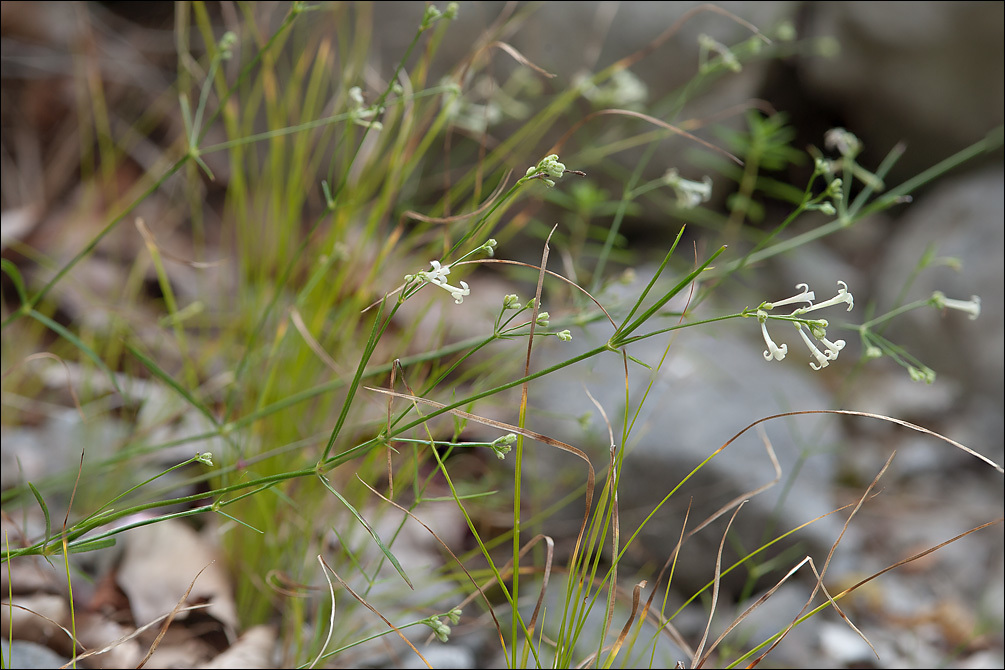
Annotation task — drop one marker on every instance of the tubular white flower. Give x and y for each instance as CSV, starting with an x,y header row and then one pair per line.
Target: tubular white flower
x,y
833,348
773,351
806,295
437,277
971,307
822,359
843,296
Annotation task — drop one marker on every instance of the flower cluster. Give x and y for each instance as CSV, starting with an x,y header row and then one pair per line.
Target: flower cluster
x,y
358,113
822,350
547,170
501,445
440,629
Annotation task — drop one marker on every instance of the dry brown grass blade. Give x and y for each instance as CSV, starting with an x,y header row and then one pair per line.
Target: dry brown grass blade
x,y
636,595
715,588
169,620
915,557
910,559
870,415
749,494
282,584
507,570
670,564
69,377
612,478
460,217
125,638
312,343
151,241
374,610
557,147
826,565
488,603
520,58
760,601
819,584
551,274
545,579
753,103
645,51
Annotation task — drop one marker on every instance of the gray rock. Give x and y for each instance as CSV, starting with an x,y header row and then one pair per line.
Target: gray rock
x,y
930,74
30,655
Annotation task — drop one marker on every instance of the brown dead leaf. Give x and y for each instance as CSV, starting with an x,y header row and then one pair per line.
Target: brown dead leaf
x,y
160,563
96,632
254,649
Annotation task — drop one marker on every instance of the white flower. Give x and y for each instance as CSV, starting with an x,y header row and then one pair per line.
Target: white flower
x,y
822,359
773,351
833,348
511,301
689,193
437,276
805,295
564,335
842,140
971,307
843,296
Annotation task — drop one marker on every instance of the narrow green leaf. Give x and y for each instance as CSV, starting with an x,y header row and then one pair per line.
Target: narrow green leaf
x,y
45,512
158,372
77,342
373,534
92,545
15,276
